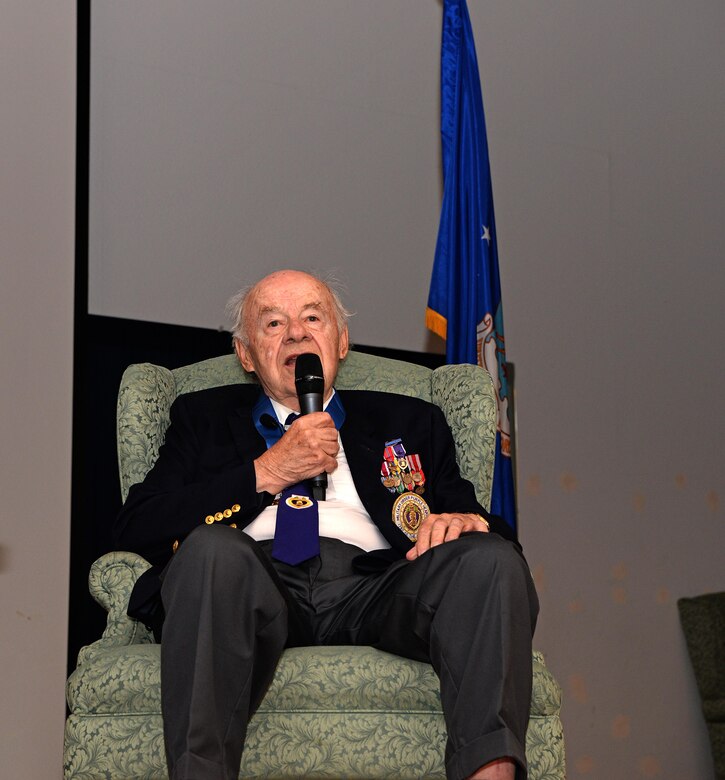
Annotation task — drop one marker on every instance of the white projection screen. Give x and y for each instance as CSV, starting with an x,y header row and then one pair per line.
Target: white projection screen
x,y
228,139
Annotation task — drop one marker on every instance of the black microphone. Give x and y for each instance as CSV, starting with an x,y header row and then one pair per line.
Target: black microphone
x,y
310,384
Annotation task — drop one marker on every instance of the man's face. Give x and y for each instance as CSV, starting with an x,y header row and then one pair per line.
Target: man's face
x,y
290,313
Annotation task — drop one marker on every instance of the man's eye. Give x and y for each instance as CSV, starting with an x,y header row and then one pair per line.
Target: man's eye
x,y
313,318
273,323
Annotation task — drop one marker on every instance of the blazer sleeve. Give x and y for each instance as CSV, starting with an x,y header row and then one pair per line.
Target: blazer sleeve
x,y
194,477
451,492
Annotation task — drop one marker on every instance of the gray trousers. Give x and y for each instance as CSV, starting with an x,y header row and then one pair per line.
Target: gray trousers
x,y
468,607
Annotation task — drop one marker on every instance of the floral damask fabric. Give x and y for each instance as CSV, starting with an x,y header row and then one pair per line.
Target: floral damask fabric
x,y
331,712
465,394
294,745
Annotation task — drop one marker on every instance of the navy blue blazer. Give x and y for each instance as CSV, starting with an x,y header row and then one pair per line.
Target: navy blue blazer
x,y
206,466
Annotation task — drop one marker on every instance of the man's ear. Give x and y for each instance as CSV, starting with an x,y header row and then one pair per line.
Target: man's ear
x,y
245,357
344,342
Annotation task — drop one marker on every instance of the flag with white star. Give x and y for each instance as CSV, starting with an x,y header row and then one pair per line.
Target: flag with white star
x,y
464,303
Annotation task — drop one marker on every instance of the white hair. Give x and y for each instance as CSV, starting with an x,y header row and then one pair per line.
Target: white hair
x,y
238,305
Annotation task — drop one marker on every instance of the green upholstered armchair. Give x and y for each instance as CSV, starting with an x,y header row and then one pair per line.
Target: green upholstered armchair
x,y
336,712
703,623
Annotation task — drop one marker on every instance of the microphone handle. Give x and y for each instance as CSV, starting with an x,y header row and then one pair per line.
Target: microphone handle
x,y
319,486
312,402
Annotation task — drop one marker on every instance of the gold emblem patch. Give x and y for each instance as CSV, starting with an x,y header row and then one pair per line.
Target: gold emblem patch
x,y
409,511
298,502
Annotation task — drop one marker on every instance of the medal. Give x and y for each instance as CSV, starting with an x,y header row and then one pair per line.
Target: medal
x,y
401,472
298,502
416,471
409,511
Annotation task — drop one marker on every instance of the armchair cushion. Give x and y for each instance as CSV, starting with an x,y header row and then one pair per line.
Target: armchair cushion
x,y
330,712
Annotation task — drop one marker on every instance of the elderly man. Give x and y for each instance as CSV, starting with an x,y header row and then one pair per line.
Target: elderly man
x,y
434,578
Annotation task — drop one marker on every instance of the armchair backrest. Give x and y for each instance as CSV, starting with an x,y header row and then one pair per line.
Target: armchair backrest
x,y
464,392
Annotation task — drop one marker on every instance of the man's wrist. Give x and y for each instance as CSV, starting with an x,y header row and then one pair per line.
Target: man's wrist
x,y
265,482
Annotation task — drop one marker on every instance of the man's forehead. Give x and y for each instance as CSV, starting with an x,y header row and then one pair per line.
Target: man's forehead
x,y
290,291
273,308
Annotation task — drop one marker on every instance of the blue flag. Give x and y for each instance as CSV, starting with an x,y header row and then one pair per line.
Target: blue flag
x,y
464,303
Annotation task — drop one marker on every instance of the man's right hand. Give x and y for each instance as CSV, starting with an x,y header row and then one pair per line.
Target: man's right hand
x,y
308,448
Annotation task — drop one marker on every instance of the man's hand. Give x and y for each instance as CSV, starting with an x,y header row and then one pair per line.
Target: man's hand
x,y
437,529
307,449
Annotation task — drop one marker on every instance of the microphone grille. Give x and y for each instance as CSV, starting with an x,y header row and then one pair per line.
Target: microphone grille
x,y
308,374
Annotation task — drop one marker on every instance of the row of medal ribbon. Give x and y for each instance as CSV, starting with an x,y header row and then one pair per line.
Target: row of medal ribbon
x,y
401,471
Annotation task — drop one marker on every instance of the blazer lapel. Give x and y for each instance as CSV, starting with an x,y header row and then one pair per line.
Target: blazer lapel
x,y
244,434
364,462
364,453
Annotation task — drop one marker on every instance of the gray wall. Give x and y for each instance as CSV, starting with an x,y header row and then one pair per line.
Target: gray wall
x,y
37,201
231,138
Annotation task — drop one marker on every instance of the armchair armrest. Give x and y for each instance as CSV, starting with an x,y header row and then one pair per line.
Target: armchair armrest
x,y
110,582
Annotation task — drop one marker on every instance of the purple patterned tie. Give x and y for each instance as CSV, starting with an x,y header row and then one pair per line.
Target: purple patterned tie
x,y
297,532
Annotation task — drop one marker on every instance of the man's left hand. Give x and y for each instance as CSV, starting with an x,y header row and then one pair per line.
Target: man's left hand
x,y
437,529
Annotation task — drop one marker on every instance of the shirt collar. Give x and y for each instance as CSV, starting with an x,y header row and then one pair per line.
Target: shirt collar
x,y
283,412
266,408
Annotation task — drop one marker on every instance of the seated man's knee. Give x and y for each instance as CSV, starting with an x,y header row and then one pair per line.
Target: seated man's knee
x,y
485,545
484,554
492,559
218,543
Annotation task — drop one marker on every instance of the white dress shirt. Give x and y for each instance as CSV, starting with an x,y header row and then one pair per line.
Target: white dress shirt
x,y
342,514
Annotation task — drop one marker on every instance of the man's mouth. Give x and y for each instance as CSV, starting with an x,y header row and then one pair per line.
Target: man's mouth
x,y
290,360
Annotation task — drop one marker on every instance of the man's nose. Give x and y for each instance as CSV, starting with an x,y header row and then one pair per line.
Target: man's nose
x,y
296,331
